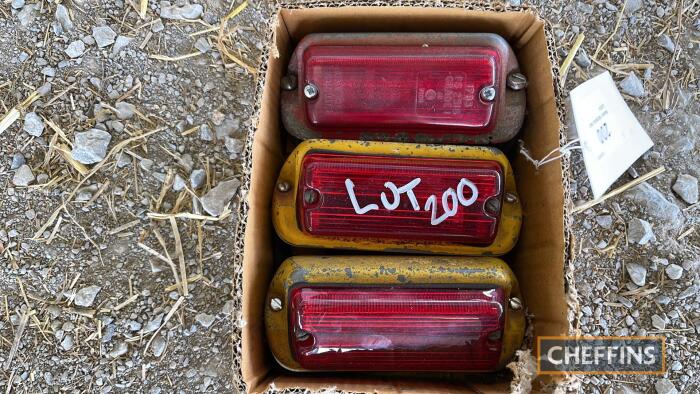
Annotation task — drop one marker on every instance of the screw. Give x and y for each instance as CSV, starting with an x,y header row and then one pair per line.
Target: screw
x,y
493,205
310,196
511,198
494,336
515,303
516,81
302,335
310,91
288,82
276,304
283,186
488,93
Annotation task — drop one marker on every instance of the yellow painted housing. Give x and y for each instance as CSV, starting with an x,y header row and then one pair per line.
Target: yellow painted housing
x,y
394,271
284,201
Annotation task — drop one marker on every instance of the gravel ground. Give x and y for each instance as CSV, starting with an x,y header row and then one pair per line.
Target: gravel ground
x,y
87,292
637,256
135,115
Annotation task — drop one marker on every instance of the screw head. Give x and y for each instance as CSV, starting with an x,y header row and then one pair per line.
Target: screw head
x,y
495,336
276,304
493,205
310,91
515,303
516,81
283,186
288,82
488,93
310,196
511,198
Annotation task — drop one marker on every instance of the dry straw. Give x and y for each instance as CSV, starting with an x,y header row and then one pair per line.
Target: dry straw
x,y
15,113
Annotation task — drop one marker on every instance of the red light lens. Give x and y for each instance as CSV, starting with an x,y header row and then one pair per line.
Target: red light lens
x,y
444,200
397,329
432,89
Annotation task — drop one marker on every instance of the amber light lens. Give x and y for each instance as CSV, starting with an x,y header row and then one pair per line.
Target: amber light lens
x,y
396,329
432,89
450,200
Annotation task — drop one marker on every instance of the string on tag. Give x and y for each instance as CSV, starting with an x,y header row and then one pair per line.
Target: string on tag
x,y
548,158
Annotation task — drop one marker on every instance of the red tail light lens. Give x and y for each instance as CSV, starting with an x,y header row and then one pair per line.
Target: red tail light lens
x,y
449,200
398,87
396,329
415,87
394,313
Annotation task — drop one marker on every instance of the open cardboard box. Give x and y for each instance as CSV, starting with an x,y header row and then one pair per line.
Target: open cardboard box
x,y
538,259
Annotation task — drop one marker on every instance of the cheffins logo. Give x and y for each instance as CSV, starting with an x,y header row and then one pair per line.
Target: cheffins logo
x,y
601,355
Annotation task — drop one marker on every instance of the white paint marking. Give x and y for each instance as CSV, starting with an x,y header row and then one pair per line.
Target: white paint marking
x,y
450,208
350,186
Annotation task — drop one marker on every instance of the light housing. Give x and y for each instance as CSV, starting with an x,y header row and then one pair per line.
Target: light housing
x,y
461,88
393,313
397,197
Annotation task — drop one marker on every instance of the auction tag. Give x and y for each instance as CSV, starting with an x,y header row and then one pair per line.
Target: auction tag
x,y
611,137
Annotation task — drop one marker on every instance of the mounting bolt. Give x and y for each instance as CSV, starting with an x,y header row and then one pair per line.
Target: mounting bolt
x,y
288,82
310,196
310,91
515,303
516,81
283,186
493,205
276,304
495,336
488,93
511,198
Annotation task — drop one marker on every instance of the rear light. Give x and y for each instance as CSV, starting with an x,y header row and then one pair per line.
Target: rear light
x,y
417,87
392,313
392,196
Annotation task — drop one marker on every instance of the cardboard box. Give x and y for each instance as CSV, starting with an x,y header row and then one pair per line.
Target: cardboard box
x,y
538,259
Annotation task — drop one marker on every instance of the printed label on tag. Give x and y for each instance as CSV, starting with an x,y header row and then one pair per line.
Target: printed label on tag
x,y
611,137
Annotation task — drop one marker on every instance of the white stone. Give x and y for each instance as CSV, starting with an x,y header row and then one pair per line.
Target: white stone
x,y
637,273
103,35
119,350
75,49
218,197
674,271
658,322
204,319
202,45
179,183
187,11
125,110
666,43
157,26
86,296
33,125
63,17
23,176
640,232
686,186
90,146
158,346
121,43
665,386
67,343
633,86
197,178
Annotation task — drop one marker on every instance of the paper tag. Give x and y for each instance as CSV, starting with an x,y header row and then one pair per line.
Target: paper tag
x,y
611,137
